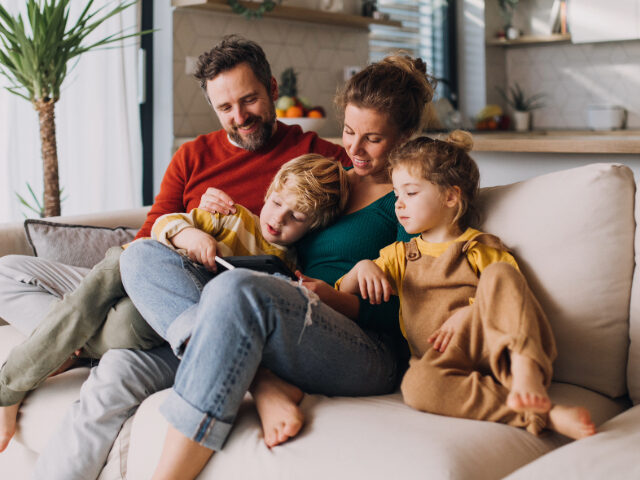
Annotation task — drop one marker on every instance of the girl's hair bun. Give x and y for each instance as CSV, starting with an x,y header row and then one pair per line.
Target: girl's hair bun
x,y
461,139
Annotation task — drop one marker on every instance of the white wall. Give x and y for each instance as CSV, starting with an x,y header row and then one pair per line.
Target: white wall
x,y
162,91
575,76
500,168
317,52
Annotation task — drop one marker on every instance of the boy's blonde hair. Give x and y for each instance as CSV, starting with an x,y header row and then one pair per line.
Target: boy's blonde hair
x,y
319,184
446,164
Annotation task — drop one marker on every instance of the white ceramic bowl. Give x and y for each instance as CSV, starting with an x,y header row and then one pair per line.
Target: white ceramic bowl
x,y
307,124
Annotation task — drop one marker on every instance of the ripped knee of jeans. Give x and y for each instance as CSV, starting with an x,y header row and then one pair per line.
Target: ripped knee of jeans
x,y
312,299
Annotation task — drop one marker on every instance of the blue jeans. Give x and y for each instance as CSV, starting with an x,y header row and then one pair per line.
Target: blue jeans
x,y
243,320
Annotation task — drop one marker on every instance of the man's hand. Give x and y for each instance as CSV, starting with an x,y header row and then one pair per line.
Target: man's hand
x,y
200,246
443,335
216,201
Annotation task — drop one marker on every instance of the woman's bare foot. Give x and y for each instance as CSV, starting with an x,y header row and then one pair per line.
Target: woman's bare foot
x,y
574,422
277,403
528,393
8,416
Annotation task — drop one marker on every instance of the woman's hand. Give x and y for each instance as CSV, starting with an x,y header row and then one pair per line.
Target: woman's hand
x,y
200,246
216,201
342,302
320,288
443,335
373,283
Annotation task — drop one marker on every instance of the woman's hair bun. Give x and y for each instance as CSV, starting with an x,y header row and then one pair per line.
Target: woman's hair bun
x,y
419,65
461,139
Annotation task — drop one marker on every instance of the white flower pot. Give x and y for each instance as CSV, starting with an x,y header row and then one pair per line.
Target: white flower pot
x,y
522,121
512,33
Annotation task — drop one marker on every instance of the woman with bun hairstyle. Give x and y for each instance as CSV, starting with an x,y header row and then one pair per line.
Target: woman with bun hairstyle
x,y
278,338
481,346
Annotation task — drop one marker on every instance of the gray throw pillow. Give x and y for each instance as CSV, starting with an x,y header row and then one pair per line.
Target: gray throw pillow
x,y
79,245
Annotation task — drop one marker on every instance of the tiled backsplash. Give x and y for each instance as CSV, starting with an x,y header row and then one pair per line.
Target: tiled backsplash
x,y
317,52
576,76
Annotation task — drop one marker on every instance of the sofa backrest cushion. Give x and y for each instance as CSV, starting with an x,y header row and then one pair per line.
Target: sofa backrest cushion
x,y
633,367
572,233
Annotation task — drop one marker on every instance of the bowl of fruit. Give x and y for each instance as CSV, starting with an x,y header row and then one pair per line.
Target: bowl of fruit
x,y
294,110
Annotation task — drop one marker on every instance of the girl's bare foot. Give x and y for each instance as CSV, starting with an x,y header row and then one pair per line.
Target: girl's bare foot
x,y
8,416
574,422
528,393
277,403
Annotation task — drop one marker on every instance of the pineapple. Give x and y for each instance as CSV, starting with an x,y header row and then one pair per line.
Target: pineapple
x,y
289,83
288,103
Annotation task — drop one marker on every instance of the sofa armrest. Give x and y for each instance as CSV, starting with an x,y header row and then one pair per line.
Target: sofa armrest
x,y
14,241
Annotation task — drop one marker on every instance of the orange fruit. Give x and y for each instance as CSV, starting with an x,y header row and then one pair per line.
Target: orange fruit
x,y
280,113
294,111
314,114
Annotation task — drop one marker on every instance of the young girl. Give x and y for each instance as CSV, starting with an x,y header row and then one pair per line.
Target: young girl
x,y
481,345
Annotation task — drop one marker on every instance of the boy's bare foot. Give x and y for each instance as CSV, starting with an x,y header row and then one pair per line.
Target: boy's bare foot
x,y
574,422
277,403
8,416
69,362
528,393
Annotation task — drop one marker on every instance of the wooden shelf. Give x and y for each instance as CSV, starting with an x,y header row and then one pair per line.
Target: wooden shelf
x,y
531,40
291,13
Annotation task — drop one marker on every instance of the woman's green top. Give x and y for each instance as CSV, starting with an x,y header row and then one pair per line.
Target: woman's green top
x,y
330,253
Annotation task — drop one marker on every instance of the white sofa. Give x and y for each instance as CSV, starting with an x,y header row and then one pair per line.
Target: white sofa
x,y
573,233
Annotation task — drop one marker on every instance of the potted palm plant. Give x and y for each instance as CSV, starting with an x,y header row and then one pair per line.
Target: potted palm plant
x,y
522,105
35,61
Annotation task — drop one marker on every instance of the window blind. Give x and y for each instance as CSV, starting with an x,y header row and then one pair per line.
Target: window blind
x,y
427,31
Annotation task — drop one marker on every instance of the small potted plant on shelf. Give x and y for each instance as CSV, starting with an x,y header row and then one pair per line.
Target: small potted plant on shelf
x,y
507,9
522,105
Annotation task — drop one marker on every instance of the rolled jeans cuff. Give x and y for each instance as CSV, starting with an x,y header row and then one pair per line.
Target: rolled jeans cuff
x,y
180,330
194,424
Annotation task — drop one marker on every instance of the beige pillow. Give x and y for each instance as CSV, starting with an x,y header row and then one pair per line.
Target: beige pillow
x,y
79,245
573,233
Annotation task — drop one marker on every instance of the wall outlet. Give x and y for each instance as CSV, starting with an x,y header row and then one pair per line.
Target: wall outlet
x,y
190,65
350,72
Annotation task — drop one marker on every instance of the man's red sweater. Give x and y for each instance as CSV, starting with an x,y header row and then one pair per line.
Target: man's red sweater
x,y
212,161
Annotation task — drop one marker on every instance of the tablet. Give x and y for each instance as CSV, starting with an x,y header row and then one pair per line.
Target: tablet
x,y
261,263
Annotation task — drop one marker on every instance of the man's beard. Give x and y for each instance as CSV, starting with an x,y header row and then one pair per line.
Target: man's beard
x,y
258,139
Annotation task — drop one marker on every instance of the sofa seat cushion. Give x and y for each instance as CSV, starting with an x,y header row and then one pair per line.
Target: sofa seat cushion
x,y
48,403
573,234
372,437
9,338
608,454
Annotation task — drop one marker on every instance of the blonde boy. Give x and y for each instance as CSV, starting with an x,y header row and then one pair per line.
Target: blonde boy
x,y
308,192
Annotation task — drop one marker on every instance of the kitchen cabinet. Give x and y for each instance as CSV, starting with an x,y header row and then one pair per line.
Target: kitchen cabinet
x,y
604,21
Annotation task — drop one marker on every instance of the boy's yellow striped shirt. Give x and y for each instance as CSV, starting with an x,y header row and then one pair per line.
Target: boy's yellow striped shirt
x,y
236,234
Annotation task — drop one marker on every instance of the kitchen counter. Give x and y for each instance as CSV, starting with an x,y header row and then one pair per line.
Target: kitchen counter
x,y
539,141
552,141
